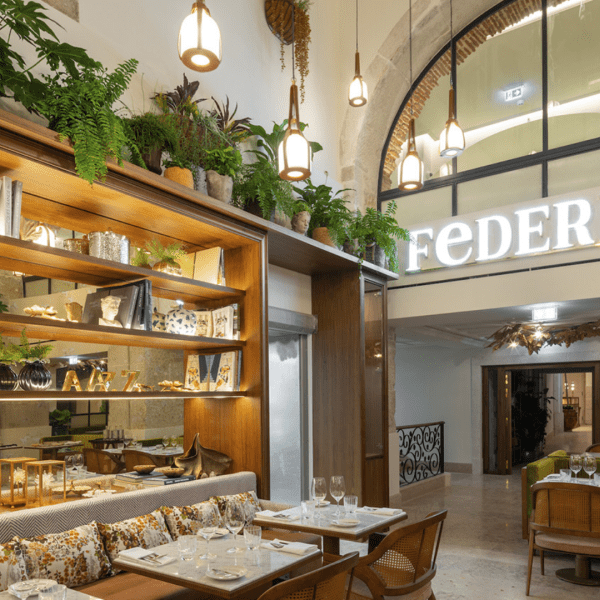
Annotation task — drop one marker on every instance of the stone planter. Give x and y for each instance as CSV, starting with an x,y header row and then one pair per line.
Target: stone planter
x,y
374,254
321,234
218,186
181,176
280,218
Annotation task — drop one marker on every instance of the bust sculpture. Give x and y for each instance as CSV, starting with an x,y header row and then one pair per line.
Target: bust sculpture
x,y
110,308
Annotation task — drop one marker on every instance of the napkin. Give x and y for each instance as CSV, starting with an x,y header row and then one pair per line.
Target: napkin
x,y
290,547
384,512
142,555
272,514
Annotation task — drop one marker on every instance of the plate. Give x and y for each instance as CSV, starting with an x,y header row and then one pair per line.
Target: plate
x,y
227,574
220,532
323,504
23,589
346,523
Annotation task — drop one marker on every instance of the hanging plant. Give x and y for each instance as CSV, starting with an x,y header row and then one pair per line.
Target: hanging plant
x,y
301,42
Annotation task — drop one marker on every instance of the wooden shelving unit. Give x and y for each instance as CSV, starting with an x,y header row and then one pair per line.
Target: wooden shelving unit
x,y
20,396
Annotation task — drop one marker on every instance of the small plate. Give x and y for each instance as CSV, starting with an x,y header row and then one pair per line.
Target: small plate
x,y
24,589
220,533
227,574
323,504
346,522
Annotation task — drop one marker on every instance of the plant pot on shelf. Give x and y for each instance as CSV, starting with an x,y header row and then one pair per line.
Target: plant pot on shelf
x,y
35,377
152,160
170,268
280,218
321,234
8,378
374,254
179,175
350,247
218,186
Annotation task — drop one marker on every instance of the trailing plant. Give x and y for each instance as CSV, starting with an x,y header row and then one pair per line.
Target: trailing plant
x,y
236,129
8,352
379,228
148,132
27,352
3,307
225,160
169,254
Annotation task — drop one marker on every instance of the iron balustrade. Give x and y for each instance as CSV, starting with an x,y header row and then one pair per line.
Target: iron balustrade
x,y
421,451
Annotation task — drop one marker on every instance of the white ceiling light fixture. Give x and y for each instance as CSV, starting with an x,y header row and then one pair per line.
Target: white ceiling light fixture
x,y
199,43
545,313
358,94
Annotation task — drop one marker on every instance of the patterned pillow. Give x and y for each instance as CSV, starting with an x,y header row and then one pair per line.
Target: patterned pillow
x,y
9,551
72,557
181,520
237,499
146,531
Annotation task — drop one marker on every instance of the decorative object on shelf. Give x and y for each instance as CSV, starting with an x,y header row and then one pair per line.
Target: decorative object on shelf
x,y
8,378
301,221
141,387
101,380
222,164
166,257
132,377
141,258
209,266
42,312
38,232
79,245
374,254
197,460
171,386
74,312
179,174
358,94
44,479
222,318
204,323
109,246
236,130
412,169
159,321
71,381
199,43
180,320
452,138
110,308
219,186
214,372
171,471
34,376
16,479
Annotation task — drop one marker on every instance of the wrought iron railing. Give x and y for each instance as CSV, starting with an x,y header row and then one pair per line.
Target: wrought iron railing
x,y
421,451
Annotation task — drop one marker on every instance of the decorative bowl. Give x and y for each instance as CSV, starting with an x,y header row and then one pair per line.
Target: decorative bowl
x,y
144,469
172,471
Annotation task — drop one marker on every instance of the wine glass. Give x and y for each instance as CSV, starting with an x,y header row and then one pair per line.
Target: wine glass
x,y
173,441
337,489
575,463
589,465
318,490
234,521
165,441
209,521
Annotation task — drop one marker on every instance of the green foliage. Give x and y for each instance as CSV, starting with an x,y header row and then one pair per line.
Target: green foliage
x,y
3,307
28,22
236,129
381,229
27,352
148,132
181,101
141,258
326,209
531,413
169,254
60,417
225,161
8,352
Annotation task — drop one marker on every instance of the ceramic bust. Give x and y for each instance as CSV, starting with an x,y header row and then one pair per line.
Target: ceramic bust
x,y
110,308
300,222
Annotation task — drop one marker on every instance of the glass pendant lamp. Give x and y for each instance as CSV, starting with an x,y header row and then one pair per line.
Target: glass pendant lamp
x,y
199,44
358,94
412,169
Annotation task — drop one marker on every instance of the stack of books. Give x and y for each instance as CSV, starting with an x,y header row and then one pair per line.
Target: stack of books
x,y
164,480
134,477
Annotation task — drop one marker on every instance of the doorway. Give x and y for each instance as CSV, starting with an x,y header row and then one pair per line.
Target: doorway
x,y
524,411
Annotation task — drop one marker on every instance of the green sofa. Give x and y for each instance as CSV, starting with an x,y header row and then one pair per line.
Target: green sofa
x,y
538,470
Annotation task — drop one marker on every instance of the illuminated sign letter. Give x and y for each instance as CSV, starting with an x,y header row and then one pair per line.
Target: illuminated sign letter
x,y
445,240
414,250
579,226
484,237
526,229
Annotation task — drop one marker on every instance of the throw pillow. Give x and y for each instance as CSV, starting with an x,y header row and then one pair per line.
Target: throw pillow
x,y
10,551
72,558
146,531
181,520
247,499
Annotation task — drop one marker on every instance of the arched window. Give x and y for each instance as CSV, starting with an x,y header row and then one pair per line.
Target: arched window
x,y
527,80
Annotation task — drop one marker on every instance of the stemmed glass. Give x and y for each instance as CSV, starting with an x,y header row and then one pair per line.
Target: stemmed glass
x,y
207,526
318,490
234,521
166,441
589,465
575,463
337,488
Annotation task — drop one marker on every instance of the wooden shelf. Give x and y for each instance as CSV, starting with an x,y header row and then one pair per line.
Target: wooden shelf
x,y
48,329
55,263
20,396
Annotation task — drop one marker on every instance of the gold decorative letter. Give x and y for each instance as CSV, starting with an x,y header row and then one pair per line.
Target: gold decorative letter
x,y
103,380
71,380
133,377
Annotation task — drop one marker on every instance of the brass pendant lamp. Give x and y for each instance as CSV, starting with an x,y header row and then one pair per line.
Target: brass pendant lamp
x,y
199,43
294,153
358,94
452,138
412,169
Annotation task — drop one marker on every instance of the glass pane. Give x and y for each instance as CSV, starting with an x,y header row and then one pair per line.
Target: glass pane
x,y
573,77
36,287
573,173
499,86
424,206
492,424
500,190
57,285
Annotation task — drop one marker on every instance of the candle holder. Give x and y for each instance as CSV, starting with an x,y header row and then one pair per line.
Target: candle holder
x,y
12,470
43,481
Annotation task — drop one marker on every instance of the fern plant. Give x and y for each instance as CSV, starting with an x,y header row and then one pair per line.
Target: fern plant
x,y
169,254
27,352
3,307
8,353
141,258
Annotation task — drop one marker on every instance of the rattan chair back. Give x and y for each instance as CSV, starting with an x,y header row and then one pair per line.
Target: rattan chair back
x,y
104,463
133,458
593,448
326,583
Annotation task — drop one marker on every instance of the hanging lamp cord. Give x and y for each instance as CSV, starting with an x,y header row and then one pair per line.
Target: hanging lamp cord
x,y
293,42
410,52
357,25
451,37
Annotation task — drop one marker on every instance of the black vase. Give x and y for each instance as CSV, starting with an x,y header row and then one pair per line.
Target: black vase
x,y
374,254
35,377
8,378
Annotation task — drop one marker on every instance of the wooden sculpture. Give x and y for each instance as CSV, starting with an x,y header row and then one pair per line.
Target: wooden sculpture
x,y
198,460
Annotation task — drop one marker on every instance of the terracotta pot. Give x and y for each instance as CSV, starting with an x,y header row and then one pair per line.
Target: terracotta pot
x,y
181,176
152,160
218,186
321,234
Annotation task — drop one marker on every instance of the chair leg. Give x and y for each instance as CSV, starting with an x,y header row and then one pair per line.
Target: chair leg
x,y
432,597
542,561
530,562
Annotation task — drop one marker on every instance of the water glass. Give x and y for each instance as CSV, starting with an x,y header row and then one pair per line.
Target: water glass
x,y
589,465
565,474
350,504
575,463
308,509
318,489
252,536
47,593
187,545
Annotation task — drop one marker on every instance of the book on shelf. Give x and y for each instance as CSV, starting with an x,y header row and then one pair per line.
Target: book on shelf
x,y
128,294
134,476
17,199
164,480
6,206
223,322
214,372
209,266
204,323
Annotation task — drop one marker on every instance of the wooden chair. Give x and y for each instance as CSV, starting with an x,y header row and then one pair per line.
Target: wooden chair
x,y
104,463
593,448
325,583
133,458
566,518
402,564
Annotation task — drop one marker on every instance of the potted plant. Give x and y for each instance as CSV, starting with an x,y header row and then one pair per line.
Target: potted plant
x,y
34,375
222,165
237,130
377,235
60,421
8,357
166,257
329,213
141,258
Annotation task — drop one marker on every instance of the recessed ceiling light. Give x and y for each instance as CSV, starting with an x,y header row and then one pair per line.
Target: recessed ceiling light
x,y
546,313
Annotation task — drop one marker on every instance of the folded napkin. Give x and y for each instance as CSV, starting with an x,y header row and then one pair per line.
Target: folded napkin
x,y
289,547
272,514
146,557
387,512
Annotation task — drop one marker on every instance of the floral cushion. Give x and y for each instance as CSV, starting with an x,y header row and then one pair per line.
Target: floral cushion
x,y
72,557
146,531
181,520
9,551
248,498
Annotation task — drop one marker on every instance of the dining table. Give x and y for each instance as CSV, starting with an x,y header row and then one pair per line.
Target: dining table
x,y
258,568
355,527
71,595
49,450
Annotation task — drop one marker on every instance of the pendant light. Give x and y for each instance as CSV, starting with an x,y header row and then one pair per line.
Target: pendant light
x,y
294,151
412,169
452,138
199,44
358,95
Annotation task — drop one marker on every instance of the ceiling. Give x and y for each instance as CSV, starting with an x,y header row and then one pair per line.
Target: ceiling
x,y
471,329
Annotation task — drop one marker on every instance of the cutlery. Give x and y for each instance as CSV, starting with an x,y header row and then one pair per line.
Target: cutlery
x,y
279,544
226,573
